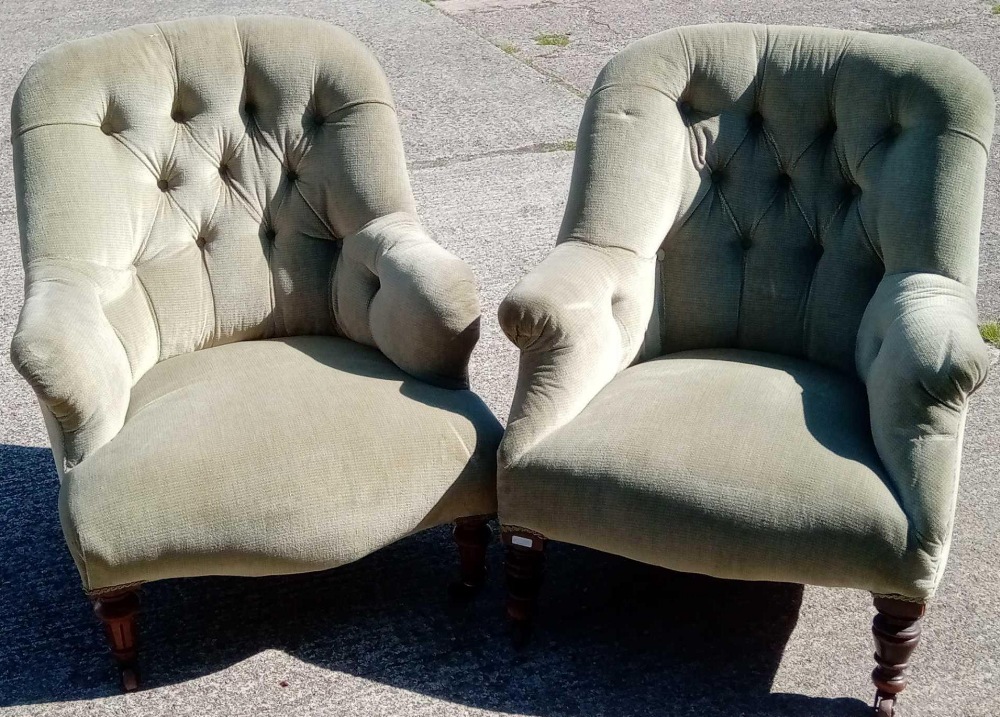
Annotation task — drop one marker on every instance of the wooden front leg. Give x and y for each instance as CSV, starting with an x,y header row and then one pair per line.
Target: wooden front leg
x,y
524,567
896,629
119,613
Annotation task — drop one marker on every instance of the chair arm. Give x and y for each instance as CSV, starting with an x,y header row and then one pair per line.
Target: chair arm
x,y
920,355
66,348
396,289
579,318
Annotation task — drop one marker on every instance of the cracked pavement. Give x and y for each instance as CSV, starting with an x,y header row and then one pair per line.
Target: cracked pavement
x,y
597,30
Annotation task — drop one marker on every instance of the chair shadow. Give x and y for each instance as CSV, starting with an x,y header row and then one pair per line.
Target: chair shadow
x,y
614,636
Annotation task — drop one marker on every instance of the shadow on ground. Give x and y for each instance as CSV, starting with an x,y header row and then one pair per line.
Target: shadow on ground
x,y
615,637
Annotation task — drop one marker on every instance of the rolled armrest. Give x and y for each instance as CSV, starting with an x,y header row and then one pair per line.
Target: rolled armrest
x,y
67,350
396,289
920,355
579,318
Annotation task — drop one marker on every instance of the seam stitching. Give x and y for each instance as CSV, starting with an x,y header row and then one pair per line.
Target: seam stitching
x,y
149,232
868,236
152,311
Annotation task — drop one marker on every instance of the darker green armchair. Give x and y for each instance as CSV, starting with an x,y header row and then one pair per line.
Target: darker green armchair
x,y
751,351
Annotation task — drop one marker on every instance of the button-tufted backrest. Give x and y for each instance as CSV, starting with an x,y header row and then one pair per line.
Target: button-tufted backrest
x,y
777,173
201,173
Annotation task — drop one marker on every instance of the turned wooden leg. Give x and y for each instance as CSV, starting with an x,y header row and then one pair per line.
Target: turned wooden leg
x,y
897,632
524,566
118,611
472,536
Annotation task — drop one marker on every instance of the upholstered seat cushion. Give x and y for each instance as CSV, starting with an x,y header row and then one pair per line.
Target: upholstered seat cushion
x,y
733,463
276,456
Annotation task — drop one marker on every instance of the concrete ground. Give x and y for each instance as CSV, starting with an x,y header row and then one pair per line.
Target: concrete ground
x,y
485,113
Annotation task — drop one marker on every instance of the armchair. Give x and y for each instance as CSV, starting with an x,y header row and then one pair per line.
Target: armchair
x,y
750,353
251,358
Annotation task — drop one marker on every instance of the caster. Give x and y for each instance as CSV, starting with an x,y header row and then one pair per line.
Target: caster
x,y
130,679
462,592
520,634
885,706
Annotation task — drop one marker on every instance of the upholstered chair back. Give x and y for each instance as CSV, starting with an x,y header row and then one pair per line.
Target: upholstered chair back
x,y
210,177
773,176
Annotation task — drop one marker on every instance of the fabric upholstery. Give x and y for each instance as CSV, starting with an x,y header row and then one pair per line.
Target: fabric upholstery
x,y
921,356
804,192
214,180
275,456
194,184
766,469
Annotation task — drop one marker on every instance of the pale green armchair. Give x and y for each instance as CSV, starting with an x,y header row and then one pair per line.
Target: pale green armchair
x,y
750,353
250,357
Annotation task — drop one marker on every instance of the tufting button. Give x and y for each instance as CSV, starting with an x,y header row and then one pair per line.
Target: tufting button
x,y
178,116
292,175
106,128
270,234
224,170
201,241
684,106
716,176
784,180
162,185
250,107
746,242
755,120
895,129
855,190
